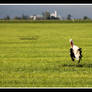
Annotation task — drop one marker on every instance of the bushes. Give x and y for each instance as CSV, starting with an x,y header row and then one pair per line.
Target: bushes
x,y
45,21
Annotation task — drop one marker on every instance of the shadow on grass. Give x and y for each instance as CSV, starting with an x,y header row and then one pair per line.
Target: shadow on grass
x,y
29,38
78,65
67,65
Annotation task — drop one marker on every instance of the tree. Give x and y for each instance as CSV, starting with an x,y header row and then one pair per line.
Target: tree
x,y
16,17
69,16
85,18
7,17
54,18
46,15
25,17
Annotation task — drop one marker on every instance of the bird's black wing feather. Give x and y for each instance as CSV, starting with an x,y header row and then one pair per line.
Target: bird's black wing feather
x,y
80,50
72,54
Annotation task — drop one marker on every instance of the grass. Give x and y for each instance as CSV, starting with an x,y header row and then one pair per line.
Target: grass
x,y
37,55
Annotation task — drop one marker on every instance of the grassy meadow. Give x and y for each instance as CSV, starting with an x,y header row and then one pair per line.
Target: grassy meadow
x,y
37,55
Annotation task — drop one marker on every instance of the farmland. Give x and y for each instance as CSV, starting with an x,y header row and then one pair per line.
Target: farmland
x,y
37,55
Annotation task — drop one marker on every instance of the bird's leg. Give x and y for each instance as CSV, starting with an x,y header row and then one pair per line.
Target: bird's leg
x,y
79,61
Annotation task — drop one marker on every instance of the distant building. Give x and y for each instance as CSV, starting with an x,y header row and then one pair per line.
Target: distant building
x,y
54,14
33,17
41,17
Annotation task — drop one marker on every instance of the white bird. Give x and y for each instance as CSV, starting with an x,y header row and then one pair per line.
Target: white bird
x,y
75,51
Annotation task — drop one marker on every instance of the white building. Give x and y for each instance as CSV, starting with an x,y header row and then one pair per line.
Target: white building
x,y
54,14
33,17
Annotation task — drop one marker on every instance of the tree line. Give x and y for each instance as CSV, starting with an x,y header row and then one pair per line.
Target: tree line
x,y
45,16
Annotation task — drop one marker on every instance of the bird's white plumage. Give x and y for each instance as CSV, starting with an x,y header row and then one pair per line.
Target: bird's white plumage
x,y
76,52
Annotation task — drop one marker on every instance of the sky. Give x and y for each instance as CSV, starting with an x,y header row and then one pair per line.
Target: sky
x,y
77,11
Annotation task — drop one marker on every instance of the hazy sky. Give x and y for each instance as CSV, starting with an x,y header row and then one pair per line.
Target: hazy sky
x,y
77,11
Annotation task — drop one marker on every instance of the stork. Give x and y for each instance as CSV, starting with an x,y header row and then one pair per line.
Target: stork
x,y
75,52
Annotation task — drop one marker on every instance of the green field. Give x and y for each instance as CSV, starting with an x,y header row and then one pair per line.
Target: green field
x,y
37,55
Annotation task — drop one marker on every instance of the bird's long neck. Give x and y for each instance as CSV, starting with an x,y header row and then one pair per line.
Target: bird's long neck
x,y
71,44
